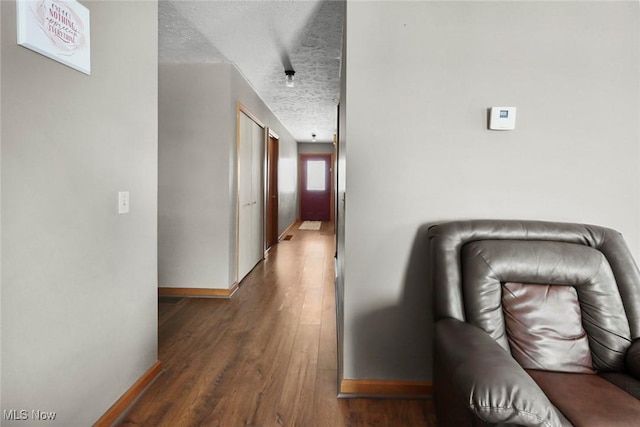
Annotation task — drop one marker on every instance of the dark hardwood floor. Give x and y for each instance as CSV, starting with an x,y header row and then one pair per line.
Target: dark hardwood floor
x,y
267,356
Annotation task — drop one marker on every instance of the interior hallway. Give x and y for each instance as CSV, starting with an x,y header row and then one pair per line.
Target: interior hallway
x,y
267,356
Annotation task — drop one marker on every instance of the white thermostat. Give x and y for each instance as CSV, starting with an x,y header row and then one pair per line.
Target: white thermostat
x,y
502,118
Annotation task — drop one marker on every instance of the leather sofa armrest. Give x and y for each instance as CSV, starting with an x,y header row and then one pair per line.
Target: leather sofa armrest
x,y
632,359
496,388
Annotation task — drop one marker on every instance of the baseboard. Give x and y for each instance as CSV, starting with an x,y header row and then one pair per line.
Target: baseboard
x,y
198,292
289,229
130,396
385,388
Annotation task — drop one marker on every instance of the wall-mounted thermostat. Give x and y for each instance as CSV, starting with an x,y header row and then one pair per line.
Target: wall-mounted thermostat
x,y
123,202
502,118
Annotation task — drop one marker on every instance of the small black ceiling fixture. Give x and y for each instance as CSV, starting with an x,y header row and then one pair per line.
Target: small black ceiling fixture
x,y
289,74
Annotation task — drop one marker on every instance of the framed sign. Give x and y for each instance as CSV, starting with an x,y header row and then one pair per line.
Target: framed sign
x,y
58,29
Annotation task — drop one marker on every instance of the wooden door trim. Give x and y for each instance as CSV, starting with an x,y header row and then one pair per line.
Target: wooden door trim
x,y
302,157
269,169
248,113
273,134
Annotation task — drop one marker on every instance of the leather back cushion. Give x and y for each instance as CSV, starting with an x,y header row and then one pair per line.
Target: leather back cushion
x,y
447,240
486,264
544,327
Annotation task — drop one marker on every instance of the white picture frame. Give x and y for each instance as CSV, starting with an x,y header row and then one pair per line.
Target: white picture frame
x,y
57,29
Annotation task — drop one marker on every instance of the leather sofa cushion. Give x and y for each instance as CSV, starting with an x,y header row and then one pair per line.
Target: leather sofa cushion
x,y
632,359
487,264
447,240
475,375
624,381
544,327
588,400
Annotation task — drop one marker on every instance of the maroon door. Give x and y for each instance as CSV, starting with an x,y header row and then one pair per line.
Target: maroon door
x,y
315,187
272,190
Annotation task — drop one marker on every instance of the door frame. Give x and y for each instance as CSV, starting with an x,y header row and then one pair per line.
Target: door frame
x,y
302,158
241,109
271,185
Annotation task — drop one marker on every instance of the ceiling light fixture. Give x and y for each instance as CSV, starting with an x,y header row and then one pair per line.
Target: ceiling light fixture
x,y
290,74
313,137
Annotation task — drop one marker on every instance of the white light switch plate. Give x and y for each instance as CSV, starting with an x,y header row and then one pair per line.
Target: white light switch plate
x,y
502,118
123,202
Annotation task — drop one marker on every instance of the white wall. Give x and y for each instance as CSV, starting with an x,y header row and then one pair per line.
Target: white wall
x,y
315,148
420,78
79,281
197,172
341,174
195,134
1,406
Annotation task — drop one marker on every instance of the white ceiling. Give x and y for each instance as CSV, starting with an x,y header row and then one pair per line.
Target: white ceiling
x,y
263,38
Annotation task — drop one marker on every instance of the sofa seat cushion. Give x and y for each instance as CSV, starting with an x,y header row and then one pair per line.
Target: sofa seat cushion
x,y
624,381
544,327
588,400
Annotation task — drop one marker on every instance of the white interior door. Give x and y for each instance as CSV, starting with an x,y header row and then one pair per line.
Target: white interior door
x,y
250,223
257,191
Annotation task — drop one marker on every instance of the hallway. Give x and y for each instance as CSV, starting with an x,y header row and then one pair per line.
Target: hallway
x,y
267,356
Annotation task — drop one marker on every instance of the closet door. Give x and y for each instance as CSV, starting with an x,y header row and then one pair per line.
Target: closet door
x,y
257,191
245,162
250,227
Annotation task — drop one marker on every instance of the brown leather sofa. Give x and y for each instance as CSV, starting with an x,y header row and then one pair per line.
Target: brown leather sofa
x,y
536,324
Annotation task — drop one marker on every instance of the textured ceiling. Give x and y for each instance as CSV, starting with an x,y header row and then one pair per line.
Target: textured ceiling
x,y
263,38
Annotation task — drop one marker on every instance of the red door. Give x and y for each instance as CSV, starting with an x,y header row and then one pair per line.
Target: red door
x,y
315,187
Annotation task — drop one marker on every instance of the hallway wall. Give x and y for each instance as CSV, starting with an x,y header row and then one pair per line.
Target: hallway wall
x,y
197,175
79,281
1,406
419,150
196,136
315,148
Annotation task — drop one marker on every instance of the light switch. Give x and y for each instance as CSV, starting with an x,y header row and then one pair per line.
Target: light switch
x,y
502,118
123,202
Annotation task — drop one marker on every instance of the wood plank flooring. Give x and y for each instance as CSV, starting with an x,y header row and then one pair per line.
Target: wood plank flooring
x,y
267,356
